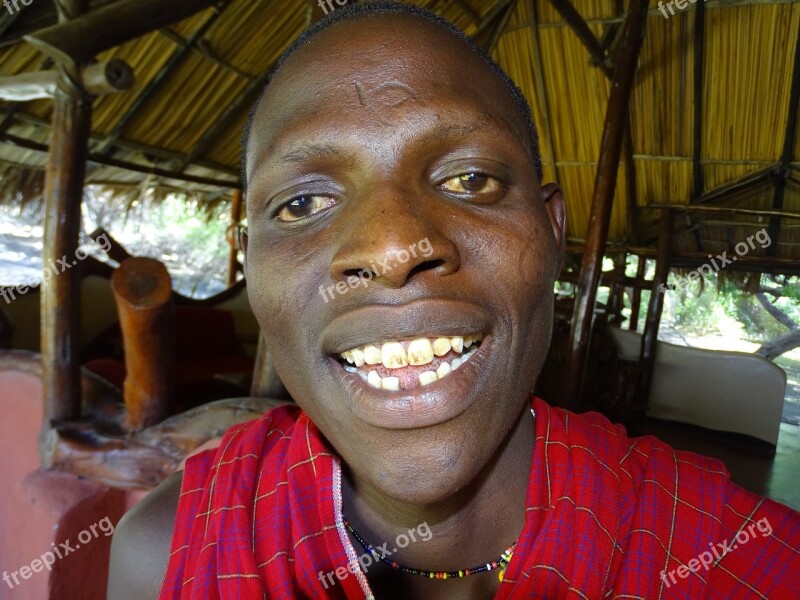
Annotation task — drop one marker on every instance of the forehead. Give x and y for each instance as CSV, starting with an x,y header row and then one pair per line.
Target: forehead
x,y
378,66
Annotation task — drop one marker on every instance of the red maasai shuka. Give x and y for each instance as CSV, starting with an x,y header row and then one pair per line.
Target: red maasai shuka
x,y
261,517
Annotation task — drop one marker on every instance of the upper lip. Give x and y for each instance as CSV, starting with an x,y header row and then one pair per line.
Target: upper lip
x,y
421,318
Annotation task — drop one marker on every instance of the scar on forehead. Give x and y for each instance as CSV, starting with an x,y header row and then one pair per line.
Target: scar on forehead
x,y
389,94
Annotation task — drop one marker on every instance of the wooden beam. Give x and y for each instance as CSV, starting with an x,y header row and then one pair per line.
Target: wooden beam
x,y
789,139
704,208
156,83
60,302
469,11
647,352
578,25
602,199
226,119
110,26
502,21
151,152
98,79
128,166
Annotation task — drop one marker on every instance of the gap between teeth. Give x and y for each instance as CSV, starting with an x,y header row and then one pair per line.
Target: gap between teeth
x,y
393,355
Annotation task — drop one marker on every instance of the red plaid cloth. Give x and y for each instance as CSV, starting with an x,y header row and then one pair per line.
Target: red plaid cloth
x,y
608,517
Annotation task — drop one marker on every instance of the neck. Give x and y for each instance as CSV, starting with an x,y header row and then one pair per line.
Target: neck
x,y
462,531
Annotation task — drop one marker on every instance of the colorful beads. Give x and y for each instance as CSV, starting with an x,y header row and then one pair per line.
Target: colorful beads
x,y
505,558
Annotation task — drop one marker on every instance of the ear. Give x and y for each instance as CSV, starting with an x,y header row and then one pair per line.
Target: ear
x,y
557,211
244,240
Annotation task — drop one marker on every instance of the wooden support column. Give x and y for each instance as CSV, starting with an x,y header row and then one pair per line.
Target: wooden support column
x,y
647,354
233,236
602,200
633,325
60,303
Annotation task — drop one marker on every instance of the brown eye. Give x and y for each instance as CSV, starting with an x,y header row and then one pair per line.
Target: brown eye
x,y
303,207
471,183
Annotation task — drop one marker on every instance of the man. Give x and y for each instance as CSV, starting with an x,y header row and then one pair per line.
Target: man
x,y
401,252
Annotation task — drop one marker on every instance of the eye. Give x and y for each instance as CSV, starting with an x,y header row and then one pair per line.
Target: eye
x,y
303,207
471,183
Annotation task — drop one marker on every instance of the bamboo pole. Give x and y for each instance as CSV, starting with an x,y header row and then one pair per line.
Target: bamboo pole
x,y
98,79
602,200
636,303
60,304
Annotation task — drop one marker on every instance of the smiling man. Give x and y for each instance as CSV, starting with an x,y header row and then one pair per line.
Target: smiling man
x,y
416,464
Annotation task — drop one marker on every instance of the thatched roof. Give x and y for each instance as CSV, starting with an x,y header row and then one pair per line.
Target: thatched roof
x,y
197,79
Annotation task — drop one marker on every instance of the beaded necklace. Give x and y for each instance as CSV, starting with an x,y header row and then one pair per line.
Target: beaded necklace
x,y
500,563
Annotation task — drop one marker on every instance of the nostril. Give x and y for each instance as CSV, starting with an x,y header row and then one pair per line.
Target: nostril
x,y
428,265
367,273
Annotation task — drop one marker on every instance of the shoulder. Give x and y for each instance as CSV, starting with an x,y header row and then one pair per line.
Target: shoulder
x,y
141,544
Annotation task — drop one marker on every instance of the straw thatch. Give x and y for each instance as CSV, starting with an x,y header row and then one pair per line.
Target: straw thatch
x,y
191,122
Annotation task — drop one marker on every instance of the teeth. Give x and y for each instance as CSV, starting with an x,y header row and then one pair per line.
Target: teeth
x,y
427,377
467,341
374,379
393,355
456,362
350,369
457,343
443,370
348,356
420,352
358,357
441,346
372,355
390,383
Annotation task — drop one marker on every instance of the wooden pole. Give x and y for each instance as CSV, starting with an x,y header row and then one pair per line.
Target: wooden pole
x,y
83,37
60,303
602,200
233,238
99,79
143,293
647,354
633,325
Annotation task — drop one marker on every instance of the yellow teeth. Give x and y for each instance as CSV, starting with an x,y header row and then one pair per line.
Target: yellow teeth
x,y
390,383
441,346
372,355
421,351
427,377
393,355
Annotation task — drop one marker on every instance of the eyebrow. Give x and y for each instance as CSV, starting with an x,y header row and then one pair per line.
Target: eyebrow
x,y
311,152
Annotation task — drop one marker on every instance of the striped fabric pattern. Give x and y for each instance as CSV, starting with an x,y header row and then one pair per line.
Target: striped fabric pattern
x,y
608,517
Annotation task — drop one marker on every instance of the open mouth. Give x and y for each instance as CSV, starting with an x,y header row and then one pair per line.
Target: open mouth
x,y
395,365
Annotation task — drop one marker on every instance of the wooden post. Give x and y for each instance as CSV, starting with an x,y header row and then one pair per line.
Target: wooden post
x,y
633,325
143,292
602,201
60,303
647,355
99,79
233,237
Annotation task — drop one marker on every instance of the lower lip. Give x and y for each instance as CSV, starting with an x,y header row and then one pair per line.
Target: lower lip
x,y
423,406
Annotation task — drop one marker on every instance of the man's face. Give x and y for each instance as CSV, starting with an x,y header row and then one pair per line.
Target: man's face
x,y
386,158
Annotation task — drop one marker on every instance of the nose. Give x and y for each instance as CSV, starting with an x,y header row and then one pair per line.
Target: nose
x,y
391,236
